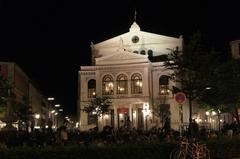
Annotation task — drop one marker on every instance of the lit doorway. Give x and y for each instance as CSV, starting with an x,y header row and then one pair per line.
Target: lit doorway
x,y
123,115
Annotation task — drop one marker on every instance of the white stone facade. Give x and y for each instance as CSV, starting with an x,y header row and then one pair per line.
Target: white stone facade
x,y
122,60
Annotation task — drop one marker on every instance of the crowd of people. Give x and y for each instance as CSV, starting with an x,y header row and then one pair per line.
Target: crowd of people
x,y
109,135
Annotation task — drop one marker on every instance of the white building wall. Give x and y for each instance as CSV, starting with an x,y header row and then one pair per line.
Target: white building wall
x,y
115,56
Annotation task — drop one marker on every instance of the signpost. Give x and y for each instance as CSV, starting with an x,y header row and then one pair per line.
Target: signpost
x,y
180,98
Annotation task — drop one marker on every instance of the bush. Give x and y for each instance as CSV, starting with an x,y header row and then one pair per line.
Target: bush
x,y
224,147
220,148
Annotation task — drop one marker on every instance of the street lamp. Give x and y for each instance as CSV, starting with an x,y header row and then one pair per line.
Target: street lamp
x,y
146,111
50,98
50,112
57,105
37,117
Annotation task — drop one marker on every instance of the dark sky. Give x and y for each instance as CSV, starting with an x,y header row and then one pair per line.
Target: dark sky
x,y
50,39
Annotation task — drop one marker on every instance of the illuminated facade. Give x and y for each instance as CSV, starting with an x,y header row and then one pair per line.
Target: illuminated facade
x,y
123,69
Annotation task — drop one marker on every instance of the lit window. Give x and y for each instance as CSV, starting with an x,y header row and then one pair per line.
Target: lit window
x,y
92,88
136,83
107,85
164,85
122,84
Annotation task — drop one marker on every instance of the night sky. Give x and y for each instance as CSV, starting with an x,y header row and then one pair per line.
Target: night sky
x,y
50,40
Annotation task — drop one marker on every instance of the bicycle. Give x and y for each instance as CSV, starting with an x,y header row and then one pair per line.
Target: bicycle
x,y
190,150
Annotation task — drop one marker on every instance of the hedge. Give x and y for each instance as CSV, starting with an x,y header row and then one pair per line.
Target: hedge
x,y
221,148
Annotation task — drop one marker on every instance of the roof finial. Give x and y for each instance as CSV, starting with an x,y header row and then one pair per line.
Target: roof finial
x,y
135,15
134,26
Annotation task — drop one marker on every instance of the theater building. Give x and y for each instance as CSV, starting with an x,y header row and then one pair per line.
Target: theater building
x,y
129,69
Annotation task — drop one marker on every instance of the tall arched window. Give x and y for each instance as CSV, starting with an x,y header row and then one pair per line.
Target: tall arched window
x,y
136,83
107,85
150,53
143,52
122,84
92,88
164,85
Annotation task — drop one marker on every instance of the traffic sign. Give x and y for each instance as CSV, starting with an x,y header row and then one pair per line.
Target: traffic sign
x,y
180,97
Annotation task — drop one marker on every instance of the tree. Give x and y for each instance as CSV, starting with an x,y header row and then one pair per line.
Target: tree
x,y
223,94
5,89
163,112
98,107
7,101
191,68
23,112
12,108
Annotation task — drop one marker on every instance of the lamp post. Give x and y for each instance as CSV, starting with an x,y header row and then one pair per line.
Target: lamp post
x,y
146,113
50,112
50,99
56,119
37,116
180,98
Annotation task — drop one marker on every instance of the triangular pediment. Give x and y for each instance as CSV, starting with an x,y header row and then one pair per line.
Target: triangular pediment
x,y
160,44
145,38
121,57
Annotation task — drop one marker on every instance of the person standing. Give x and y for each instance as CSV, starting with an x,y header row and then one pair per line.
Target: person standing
x,y
63,135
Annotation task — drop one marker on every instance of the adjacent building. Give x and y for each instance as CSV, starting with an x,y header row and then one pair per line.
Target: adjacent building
x,y
24,87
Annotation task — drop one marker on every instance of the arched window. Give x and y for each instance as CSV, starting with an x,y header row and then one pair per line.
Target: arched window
x,y
164,85
122,84
143,52
107,85
136,52
136,83
150,53
92,88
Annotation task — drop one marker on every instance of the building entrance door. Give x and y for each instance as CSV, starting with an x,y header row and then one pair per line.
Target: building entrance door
x,y
123,115
140,119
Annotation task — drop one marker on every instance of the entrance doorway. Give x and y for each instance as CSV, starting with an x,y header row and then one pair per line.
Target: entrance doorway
x,y
123,116
140,119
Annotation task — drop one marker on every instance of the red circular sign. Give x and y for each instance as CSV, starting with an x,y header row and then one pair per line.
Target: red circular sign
x,y
180,97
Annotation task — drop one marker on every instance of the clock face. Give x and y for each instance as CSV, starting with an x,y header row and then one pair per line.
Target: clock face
x,y
135,39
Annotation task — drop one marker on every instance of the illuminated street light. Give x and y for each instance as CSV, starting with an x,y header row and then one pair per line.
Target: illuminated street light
x,y
214,113
208,88
60,110
37,116
50,98
146,111
57,105
36,126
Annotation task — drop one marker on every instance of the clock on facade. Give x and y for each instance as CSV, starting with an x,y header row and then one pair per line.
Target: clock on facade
x,y
135,39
